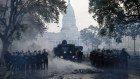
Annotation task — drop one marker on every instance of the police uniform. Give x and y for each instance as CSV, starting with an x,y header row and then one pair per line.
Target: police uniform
x,y
39,60
7,58
45,59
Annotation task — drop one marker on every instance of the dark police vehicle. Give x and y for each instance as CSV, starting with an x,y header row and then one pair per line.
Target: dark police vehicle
x,y
68,51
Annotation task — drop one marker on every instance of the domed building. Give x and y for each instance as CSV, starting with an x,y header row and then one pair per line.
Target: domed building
x,y
69,21
69,30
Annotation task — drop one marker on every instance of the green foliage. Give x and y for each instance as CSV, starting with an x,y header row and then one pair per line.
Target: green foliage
x,y
90,36
20,28
103,32
108,12
115,16
12,14
48,9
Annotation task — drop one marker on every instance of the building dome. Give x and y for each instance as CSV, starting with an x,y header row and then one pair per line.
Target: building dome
x,y
69,21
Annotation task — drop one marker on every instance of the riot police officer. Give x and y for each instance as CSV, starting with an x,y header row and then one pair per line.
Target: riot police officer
x,y
39,60
45,59
80,55
18,63
25,60
99,59
33,61
21,61
93,57
7,58
124,58
14,61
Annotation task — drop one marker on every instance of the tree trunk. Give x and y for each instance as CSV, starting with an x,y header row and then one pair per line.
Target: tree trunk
x,y
134,47
5,46
134,43
97,46
92,45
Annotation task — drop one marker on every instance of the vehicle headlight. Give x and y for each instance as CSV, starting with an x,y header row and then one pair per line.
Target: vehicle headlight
x,y
61,57
73,56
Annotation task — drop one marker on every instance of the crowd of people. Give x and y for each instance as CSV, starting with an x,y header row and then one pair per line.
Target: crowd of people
x,y
21,60
109,58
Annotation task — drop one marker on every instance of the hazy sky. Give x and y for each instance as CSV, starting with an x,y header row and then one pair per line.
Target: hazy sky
x,y
83,18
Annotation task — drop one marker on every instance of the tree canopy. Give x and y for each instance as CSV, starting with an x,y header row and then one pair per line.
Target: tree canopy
x,y
90,36
109,13
12,13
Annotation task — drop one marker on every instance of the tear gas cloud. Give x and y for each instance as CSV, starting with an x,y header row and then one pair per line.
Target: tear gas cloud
x,y
57,64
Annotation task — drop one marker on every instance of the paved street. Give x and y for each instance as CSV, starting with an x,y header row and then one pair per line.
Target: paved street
x,y
109,73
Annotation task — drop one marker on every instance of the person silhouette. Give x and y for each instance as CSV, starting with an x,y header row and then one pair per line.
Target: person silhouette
x,y
124,58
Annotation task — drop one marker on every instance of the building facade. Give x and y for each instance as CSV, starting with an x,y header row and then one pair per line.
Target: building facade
x,y
69,31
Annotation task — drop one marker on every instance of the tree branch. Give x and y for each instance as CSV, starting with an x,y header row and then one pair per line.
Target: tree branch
x,y
5,9
27,3
11,16
14,15
13,9
11,33
3,22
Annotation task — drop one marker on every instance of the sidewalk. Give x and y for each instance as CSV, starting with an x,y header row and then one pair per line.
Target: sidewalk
x,y
3,73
